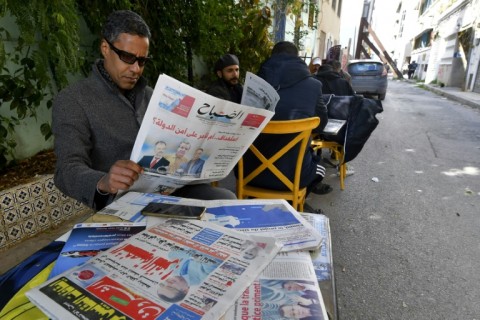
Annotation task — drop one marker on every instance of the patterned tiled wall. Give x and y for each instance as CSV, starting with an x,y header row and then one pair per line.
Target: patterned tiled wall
x,y
31,208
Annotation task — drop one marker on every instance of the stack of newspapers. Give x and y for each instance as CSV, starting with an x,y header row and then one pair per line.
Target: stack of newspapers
x,y
245,259
241,259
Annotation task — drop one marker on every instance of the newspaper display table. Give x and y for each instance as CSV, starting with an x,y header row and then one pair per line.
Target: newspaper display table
x,y
17,306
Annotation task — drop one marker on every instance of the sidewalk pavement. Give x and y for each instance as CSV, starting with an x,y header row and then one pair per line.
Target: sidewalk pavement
x,y
468,98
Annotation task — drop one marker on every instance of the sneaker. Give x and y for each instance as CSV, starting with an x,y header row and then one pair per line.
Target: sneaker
x,y
333,156
322,188
331,163
308,208
348,173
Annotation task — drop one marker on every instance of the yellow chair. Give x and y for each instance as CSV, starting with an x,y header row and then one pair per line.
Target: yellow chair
x,y
295,194
339,153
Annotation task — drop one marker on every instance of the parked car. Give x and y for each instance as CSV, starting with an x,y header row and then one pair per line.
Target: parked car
x,y
369,77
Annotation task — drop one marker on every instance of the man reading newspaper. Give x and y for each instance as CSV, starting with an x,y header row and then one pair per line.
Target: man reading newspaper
x,y
96,120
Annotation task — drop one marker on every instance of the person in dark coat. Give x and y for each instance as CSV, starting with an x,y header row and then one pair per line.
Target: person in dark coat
x,y
96,120
411,69
228,85
333,82
300,97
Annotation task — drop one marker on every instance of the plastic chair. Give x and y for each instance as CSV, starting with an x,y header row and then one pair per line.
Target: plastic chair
x,y
339,153
295,194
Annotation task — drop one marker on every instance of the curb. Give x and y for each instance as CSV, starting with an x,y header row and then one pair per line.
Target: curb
x,y
448,95
453,97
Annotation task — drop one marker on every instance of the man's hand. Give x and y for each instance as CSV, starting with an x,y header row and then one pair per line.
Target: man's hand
x,y
121,176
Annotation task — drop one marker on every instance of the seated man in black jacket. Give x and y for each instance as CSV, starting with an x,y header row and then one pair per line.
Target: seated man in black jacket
x,y
333,82
300,97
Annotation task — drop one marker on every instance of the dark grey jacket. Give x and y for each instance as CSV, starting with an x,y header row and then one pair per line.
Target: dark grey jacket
x,y
94,125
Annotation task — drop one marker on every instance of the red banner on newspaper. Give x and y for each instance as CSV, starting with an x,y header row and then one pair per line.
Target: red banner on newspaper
x,y
124,300
253,120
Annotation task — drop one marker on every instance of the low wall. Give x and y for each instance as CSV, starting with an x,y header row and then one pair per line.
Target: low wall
x,y
31,208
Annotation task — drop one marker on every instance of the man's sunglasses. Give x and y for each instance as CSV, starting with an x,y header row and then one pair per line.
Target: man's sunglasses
x,y
128,57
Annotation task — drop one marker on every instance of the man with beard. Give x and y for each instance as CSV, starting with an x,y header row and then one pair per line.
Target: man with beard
x,y
227,86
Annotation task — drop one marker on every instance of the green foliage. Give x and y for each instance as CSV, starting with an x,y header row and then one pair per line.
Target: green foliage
x,y
47,47
294,9
255,44
183,29
37,64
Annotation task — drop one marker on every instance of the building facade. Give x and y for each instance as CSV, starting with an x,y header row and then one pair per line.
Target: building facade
x,y
443,37
319,21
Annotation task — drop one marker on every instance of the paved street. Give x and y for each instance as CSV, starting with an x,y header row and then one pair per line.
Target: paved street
x,y
407,246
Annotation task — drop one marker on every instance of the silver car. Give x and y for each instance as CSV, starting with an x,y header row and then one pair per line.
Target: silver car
x,y
369,77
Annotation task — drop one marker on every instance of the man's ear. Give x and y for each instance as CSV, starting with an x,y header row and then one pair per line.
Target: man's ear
x,y
219,73
104,47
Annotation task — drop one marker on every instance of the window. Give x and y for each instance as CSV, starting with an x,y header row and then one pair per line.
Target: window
x,y
425,5
365,67
423,40
311,14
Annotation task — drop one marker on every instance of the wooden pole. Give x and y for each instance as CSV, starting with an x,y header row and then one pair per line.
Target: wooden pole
x,y
385,53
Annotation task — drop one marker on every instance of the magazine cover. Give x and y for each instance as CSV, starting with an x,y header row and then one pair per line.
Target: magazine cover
x,y
179,269
86,240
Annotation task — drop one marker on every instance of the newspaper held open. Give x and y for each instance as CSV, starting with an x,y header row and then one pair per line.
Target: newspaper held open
x,y
188,136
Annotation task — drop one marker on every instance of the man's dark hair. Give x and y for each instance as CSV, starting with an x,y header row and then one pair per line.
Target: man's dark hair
x,y
285,47
325,67
336,65
124,21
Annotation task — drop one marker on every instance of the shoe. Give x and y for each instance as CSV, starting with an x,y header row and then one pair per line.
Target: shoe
x,y
348,172
333,156
331,163
308,208
322,188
